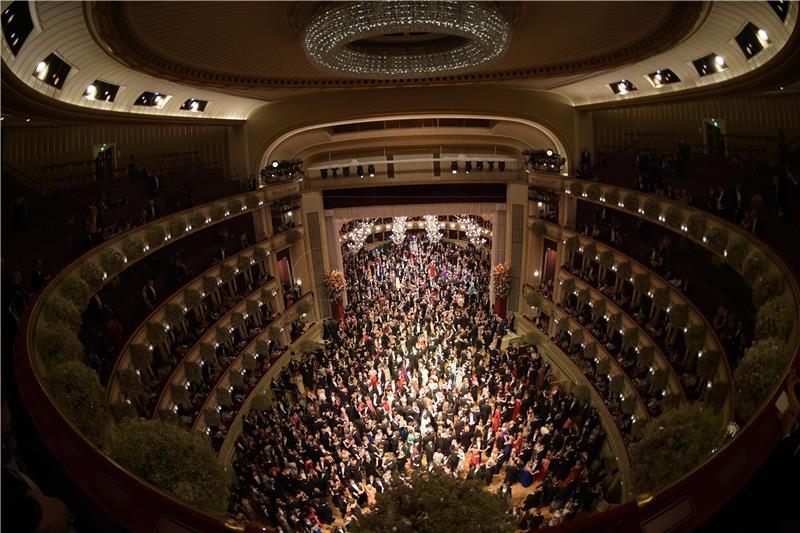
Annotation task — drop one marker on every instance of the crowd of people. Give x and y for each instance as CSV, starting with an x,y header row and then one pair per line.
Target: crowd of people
x,y
416,377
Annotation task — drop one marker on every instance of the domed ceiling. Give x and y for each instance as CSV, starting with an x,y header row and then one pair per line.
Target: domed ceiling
x,y
239,45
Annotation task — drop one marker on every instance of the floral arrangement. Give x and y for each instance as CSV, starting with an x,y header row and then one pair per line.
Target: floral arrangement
x,y
501,278
334,284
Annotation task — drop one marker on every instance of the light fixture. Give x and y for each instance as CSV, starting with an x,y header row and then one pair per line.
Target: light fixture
x,y
398,230
371,170
468,167
91,91
454,167
41,66
481,35
360,171
720,61
763,35
275,163
432,228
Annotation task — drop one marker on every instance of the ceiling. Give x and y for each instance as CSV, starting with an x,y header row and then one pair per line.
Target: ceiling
x,y
241,55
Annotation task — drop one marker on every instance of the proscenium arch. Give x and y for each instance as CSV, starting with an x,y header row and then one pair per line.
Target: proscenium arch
x,y
561,146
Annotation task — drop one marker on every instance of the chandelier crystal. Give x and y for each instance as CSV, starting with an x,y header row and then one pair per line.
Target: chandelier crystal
x,y
359,235
472,229
356,38
432,228
398,230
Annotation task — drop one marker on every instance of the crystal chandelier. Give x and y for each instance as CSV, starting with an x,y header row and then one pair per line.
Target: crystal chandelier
x,y
432,228
359,235
355,38
398,230
472,229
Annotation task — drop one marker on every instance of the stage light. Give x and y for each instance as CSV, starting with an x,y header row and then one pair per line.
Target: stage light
x,y
501,165
323,172
454,167
479,166
468,167
549,153
491,166
371,170
275,163
346,172
91,92
334,171
360,171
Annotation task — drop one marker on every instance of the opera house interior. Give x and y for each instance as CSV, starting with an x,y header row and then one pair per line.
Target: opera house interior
x,y
400,266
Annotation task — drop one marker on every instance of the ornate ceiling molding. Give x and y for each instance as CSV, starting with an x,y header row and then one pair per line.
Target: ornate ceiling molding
x,y
117,33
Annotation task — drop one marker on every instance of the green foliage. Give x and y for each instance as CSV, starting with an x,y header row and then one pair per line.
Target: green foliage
x,y
211,417
695,337
630,337
593,192
155,235
208,353
122,410
673,444
432,500
141,356
243,262
130,383
237,320
303,306
645,355
717,239
612,196
576,338
707,364
539,227
599,307
235,206
615,321
631,201
714,397
616,384
757,374
629,404
179,393
651,208
678,315
754,266
155,332
223,335
226,272
261,347
57,344
197,220
251,201
582,393
562,325
604,366
173,314
210,284
660,379
178,462
583,296
133,248
216,212
293,236
168,416
624,270
590,351
177,226
252,307
80,397
774,319
571,243
274,333
696,226
260,253
59,310
737,251
260,403
673,217
193,371
768,287
533,298
235,378
76,291
224,397
248,361
92,274
661,297
641,282
576,188
568,285
112,260
192,298
590,251
670,401
606,259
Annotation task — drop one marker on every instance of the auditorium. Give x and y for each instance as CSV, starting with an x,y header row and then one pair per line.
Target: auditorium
x,y
427,266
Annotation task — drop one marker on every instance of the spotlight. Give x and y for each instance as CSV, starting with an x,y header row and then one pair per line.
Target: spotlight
x,y
360,171
468,167
323,173
719,60
346,172
275,163
549,153
454,167
334,170
371,170
91,91
501,165
491,166
479,166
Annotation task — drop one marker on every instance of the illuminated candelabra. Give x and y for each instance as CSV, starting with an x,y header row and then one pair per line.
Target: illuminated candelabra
x,y
472,229
360,235
432,228
399,230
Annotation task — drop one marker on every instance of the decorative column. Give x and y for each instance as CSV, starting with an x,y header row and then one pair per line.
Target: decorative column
x,y
498,241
